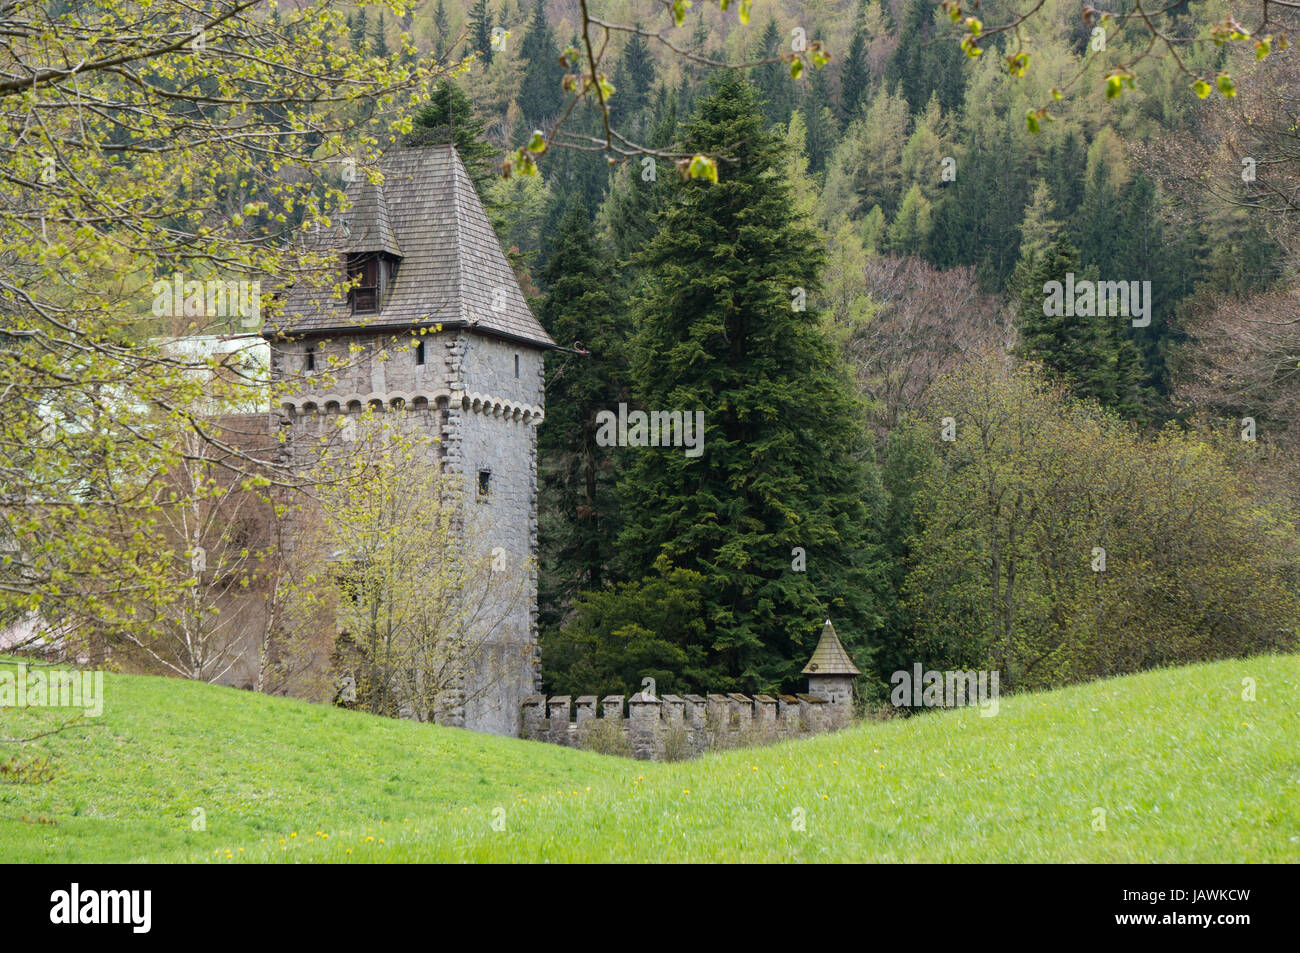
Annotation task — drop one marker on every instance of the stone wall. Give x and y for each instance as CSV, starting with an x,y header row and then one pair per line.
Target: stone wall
x,y
492,430
672,727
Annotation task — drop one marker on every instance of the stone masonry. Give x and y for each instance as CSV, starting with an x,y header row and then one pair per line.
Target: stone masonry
x,y
677,726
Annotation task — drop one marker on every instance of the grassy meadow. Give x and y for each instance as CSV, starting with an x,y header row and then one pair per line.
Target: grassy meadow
x,y
1183,767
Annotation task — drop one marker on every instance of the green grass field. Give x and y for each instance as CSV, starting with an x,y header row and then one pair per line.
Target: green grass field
x,y
1184,768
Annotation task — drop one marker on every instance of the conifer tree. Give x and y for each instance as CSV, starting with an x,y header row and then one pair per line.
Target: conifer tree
x,y
541,95
441,26
634,78
450,113
637,188
576,173
775,86
910,230
1123,239
360,32
1096,218
853,77
780,510
1039,230
822,128
1092,352
1064,170
578,523
480,31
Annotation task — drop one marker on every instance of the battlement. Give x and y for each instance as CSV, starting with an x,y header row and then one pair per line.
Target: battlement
x,y
672,727
335,404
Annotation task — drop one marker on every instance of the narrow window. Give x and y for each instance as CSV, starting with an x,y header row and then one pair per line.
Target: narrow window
x,y
484,483
516,365
419,353
311,358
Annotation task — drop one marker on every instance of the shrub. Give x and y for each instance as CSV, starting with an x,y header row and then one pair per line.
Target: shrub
x,y
677,743
607,736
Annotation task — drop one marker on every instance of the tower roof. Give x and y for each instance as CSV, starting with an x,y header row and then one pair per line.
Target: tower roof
x,y
829,658
451,268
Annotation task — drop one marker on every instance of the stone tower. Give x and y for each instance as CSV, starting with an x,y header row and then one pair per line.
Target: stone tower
x,y
830,671
424,256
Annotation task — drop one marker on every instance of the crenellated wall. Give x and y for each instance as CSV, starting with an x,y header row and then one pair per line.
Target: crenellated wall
x,y
671,727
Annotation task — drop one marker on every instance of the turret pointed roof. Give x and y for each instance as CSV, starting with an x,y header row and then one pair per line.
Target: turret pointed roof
x,y
829,658
452,270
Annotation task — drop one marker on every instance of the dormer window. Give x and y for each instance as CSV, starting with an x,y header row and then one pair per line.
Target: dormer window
x,y
364,272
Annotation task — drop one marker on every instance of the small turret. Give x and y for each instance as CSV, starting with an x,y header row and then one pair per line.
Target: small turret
x,y
830,671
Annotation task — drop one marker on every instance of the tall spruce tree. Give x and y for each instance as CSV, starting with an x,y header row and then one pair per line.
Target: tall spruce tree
x,y
360,32
822,129
541,95
853,77
1141,250
441,27
978,222
578,173
776,89
784,474
634,78
1092,352
450,115
480,31
1064,169
637,189
579,518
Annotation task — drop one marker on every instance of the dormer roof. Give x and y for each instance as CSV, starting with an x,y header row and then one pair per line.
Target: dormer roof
x,y
367,226
452,270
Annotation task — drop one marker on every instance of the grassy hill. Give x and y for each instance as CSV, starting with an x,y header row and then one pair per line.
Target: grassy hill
x,y
1185,769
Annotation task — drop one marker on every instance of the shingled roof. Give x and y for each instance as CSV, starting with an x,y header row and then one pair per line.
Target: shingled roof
x,y
829,658
452,270
368,226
